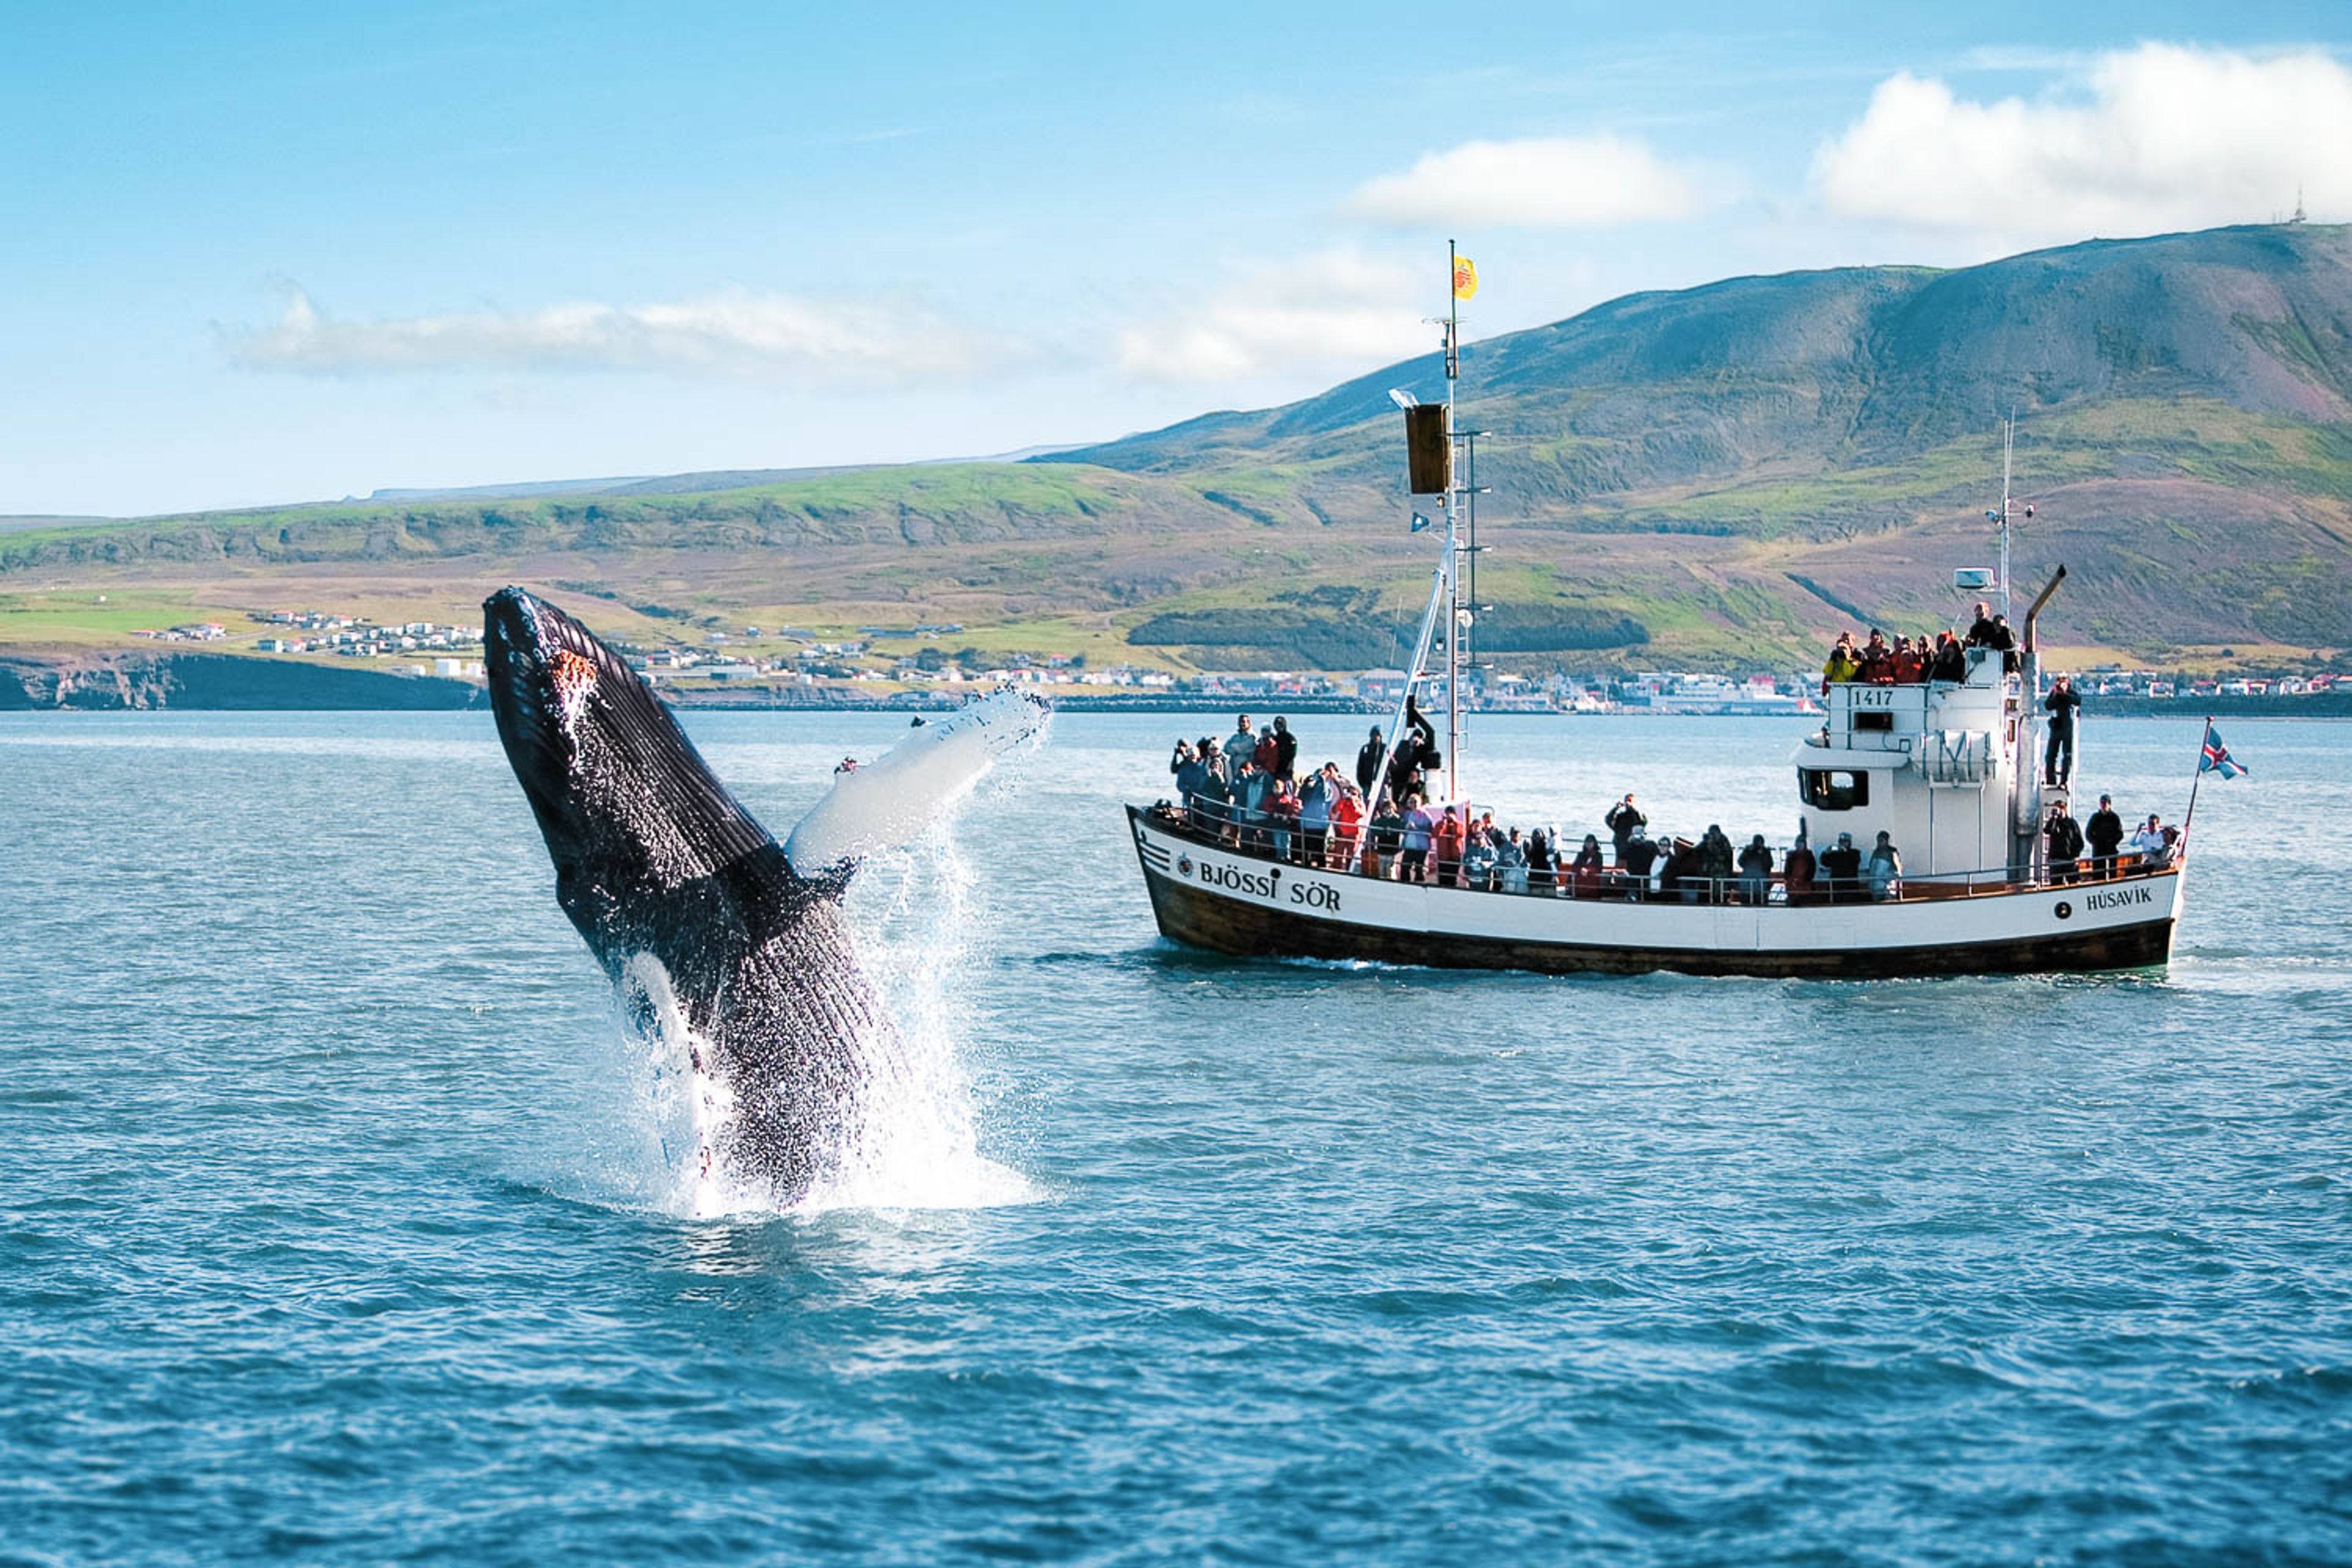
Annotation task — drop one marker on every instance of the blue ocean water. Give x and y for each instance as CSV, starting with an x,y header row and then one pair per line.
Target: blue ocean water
x,y
337,1226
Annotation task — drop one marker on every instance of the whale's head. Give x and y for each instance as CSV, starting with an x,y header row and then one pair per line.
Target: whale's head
x,y
550,682
621,796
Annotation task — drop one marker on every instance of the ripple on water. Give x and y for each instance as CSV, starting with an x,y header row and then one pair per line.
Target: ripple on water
x,y
333,1226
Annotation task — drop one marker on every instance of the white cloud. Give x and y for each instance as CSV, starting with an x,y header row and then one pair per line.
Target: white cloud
x,y
2170,137
740,336
1337,311
1562,181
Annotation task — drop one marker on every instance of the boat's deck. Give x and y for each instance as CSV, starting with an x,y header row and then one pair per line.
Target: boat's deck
x,y
1257,843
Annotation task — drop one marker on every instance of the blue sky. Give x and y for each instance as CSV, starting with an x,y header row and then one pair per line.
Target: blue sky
x,y
267,253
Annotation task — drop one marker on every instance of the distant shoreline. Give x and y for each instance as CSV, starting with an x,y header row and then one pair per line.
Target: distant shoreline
x,y
214,682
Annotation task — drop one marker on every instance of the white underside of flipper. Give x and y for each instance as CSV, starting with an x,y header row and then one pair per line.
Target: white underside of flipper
x,y
893,799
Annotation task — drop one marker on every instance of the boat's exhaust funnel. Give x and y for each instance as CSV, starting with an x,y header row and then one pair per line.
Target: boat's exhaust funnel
x,y
2033,614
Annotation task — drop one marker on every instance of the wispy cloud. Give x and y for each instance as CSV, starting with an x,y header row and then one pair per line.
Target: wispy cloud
x,y
1337,311
741,335
2024,57
2159,137
1558,181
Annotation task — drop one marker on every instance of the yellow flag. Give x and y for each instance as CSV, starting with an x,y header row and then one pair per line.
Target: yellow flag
x,y
1465,278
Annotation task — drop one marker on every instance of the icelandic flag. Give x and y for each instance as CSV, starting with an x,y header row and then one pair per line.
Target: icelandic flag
x,y
1418,523
2217,758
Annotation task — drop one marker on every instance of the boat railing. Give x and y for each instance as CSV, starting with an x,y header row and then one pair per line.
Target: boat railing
x,y
1346,850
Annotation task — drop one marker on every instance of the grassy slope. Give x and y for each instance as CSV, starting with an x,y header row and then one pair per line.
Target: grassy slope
x,y
1729,467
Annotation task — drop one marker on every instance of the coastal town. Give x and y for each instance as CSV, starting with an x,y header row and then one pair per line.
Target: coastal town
x,y
923,663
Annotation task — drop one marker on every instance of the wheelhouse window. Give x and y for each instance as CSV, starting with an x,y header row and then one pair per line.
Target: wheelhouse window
x,y
1834,789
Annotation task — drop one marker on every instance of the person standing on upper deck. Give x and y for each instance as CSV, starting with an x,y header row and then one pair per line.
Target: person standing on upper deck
x,y
1624,821
2004,638
1843,664
2058,756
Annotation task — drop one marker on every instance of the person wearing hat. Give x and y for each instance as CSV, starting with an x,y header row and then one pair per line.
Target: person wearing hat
x,y
1842,863
2105,832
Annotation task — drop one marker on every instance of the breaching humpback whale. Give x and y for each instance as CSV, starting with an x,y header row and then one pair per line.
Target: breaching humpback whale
x,y
657,863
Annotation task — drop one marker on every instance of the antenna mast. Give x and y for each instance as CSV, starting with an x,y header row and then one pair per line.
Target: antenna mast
x,y
2008,451
1453,515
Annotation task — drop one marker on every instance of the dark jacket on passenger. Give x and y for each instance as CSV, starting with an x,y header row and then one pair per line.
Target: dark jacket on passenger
x,y
2105,830
1714,856
1639,857
2065,836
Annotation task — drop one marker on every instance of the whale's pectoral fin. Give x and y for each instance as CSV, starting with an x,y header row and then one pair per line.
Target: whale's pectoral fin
x,y
899,794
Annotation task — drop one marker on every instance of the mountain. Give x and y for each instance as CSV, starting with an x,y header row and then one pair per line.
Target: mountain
x,y
1718,474
2183,404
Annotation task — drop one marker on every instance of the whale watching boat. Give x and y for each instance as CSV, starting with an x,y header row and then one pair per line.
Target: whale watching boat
x,y
1950,769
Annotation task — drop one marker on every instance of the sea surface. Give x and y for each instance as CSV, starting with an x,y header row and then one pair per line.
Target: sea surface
x,y
338,1225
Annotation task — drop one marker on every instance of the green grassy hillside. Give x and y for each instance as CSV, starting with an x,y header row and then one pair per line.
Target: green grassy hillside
x,y
1718,474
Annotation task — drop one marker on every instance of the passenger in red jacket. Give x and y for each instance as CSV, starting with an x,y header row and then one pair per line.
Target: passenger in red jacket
x,y
1346,820
1797,871
1447,843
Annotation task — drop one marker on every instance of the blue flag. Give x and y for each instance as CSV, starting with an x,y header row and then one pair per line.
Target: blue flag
x,y
1418,523
2217,758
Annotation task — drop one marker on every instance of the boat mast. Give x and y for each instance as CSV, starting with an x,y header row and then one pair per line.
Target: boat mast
x,y
2007,450
1454,614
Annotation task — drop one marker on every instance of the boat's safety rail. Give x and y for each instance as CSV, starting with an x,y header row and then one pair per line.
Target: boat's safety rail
x,y
1285,843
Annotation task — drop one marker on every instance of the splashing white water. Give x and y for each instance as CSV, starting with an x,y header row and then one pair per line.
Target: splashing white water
x,y
909,1138
914,1142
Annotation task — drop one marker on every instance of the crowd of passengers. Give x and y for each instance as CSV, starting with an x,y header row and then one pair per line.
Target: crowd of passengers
x,y
1247,792
1907,661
